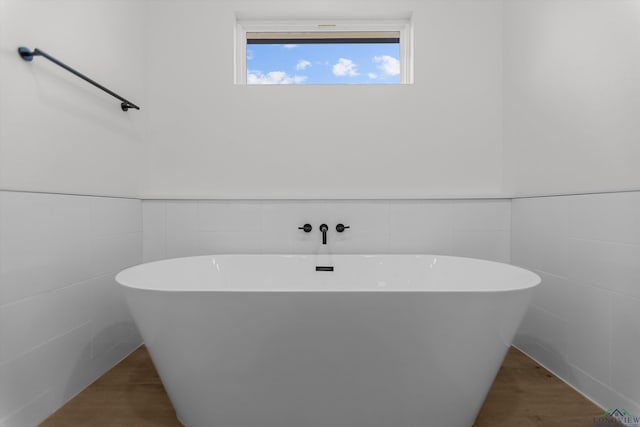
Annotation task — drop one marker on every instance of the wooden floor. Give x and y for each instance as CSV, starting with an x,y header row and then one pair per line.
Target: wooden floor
x,y
131,394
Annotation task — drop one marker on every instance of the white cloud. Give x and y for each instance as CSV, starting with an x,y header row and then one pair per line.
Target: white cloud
x,y
303,64
255,77
372,76
388,64
290,46
249,54
345,67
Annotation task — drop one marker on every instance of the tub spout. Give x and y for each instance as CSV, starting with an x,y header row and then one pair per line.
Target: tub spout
x,y
323,229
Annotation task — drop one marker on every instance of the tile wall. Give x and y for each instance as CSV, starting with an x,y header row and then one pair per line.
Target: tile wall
x,y
63,320
474,228
584,323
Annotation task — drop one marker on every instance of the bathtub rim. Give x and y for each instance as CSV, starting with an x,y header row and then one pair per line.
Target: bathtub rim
x,y
533,280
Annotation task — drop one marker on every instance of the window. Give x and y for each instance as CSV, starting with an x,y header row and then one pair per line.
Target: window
x,y
356,52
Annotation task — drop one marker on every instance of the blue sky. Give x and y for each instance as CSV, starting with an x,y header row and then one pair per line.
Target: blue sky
x,y
357,63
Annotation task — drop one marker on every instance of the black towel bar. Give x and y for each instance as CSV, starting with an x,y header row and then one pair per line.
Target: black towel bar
x,y
27,55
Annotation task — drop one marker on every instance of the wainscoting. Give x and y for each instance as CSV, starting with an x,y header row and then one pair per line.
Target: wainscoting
x,y
584,320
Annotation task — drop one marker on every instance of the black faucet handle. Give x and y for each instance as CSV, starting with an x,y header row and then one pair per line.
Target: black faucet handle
x,y
341,227
307,228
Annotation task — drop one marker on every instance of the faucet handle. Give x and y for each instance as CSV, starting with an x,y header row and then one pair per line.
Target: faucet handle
x,y
341,227
307,228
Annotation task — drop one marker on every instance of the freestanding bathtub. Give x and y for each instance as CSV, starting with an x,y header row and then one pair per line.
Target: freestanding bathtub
x,y
380,341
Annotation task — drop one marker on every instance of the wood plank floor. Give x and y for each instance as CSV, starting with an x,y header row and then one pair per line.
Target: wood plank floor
x,y
131,394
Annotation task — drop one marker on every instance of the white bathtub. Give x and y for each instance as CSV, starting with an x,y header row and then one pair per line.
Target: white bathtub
x,y
381,341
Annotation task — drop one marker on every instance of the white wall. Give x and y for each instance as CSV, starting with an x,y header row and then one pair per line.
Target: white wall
x,y
572,96
57,132
209,138
584,323
474,228
63,319
570,92
571,108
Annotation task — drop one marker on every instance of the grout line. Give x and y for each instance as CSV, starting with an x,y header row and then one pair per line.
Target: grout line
x,y
443,197
577,282
552,314
611,320
56,193
23,407
95,379
610,242
84,282
46,342
567,194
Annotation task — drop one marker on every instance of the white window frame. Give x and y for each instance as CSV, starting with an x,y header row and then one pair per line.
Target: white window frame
x,y
403,26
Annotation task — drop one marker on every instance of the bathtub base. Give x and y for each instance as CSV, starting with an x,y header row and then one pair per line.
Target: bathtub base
x,y
327,359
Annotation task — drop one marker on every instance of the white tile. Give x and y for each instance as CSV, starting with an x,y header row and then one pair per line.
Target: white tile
x,y
111,215
279,226
20,382
544,337
481,215
153,230
361,216
45,243
48,367
280,216
30,322
289,215
490,245
280,222
230,242
539,234
626,346
309,243
368,219
589,327
601,394
64,361
596,253
111,321
51,247
553,294
358,242
613,266
612,217
549,359
113,253
182,235
34,412
420,227
275,243
92,369
229,216
302,212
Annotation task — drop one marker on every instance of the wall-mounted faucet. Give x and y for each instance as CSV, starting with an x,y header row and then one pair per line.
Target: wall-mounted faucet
x,y
323,229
